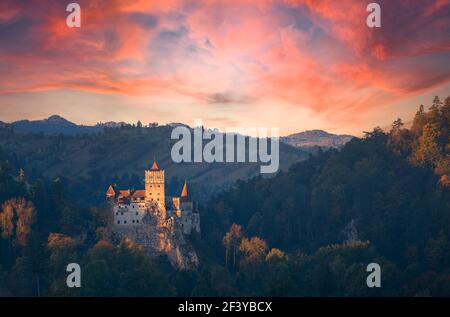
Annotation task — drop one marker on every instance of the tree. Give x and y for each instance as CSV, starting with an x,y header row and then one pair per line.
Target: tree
x,y
419,121
16,219
397,124
25,218
6,220
437,103
7,227
276,255
445,111
231,242
438,251
434,115
63,250
375,133
254,250
427,151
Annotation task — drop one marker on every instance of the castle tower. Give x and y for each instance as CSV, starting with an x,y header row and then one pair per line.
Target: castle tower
x,y
154,185
110,193
185,199
184,192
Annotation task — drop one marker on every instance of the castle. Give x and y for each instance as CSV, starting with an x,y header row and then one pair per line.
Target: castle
x,y
157,222
130,206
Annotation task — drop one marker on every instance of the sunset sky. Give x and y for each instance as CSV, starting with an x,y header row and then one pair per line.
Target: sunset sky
x,y
293,64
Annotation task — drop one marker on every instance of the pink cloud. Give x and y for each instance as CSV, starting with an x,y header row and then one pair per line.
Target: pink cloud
x,y
318,55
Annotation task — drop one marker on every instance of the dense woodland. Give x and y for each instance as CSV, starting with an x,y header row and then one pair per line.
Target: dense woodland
x,y
88,163
308,231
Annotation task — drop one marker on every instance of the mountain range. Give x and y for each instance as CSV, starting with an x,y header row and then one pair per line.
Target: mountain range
x,y
52,125
92,161
58,125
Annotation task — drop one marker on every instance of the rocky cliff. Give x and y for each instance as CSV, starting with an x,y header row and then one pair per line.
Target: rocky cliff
x,y
160,237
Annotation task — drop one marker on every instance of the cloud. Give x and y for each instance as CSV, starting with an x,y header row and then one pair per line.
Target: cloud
x,y
313,54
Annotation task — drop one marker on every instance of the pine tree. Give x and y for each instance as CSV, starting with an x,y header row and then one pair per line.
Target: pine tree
x,y
419,121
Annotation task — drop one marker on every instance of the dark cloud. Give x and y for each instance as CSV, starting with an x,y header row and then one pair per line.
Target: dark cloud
x,y
167,35
298,17
224,98
147,21
16,35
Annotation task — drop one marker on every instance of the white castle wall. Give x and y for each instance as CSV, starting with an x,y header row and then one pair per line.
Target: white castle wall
x,y
129,214
132,214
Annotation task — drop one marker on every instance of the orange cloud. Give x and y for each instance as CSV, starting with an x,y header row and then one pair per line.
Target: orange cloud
x,y
318,55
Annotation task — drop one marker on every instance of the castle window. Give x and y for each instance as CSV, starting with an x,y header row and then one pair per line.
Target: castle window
x,y
121,213
137,213
133,221
125,222
137,221
118,222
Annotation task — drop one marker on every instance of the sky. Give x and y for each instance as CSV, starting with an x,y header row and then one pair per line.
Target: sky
x,y
292,64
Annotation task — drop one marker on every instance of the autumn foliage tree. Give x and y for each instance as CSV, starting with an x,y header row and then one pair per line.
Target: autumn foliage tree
x,y
231,242
16,219
253,250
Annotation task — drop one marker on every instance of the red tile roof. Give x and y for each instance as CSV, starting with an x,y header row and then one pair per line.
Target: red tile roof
x,y
130,195
124,193
139,193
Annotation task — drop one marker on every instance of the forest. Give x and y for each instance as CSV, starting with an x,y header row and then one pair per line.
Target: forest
x,y
310,230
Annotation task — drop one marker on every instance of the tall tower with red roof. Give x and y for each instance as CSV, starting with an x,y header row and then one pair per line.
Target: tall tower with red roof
x,y
154,185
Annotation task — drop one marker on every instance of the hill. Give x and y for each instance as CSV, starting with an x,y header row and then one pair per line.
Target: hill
x,y
56,124
316,138
120,156
310,230
384,198
52,125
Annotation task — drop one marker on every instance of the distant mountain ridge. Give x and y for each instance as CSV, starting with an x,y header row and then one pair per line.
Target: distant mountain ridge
x,y
316,138
111,124
52,125
56,124
94,161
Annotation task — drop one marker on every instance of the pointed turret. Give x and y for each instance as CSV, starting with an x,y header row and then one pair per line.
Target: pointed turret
x,y
154,166
110,193
185,193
